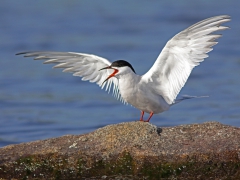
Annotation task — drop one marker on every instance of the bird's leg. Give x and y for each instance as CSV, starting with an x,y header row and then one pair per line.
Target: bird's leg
x,y
142,113
151,114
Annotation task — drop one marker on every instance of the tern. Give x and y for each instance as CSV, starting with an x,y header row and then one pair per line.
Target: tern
x,y
155,91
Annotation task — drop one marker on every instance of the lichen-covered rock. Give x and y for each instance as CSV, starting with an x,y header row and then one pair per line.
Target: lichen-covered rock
x,y
129,151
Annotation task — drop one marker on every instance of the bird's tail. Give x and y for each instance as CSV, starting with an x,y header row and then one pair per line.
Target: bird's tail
x,y
184,97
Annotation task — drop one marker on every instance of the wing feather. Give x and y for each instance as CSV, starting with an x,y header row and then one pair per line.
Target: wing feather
x,y
181,54
86,66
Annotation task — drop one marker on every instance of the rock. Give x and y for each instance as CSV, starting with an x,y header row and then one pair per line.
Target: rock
x,y
133,150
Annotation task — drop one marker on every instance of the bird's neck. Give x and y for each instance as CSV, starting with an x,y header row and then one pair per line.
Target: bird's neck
x,y
128,81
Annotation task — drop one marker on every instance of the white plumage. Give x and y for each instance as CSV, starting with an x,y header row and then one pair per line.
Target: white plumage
x,y
155,91
181,54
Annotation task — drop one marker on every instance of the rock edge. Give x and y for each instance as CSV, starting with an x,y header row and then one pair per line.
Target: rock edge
x,y
130,150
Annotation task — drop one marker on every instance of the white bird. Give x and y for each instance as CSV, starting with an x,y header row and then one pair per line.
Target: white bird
x,y
155,91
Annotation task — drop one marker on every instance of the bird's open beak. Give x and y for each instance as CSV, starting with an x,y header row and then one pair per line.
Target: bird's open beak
x,y
111,75
108,67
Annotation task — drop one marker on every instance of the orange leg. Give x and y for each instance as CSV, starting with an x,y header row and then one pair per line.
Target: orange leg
x,y
142,113
151,114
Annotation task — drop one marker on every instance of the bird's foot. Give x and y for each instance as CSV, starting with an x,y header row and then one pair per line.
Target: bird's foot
x,y
143,120
142,113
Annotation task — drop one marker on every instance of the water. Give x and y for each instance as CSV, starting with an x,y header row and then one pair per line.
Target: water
x,y
38,102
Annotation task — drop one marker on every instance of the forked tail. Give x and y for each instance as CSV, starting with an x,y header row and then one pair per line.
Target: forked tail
x,y
184,97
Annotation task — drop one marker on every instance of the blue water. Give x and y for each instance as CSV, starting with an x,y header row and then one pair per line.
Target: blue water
x,y
38,102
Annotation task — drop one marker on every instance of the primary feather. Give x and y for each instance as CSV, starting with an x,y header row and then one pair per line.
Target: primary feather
x,y
181,54
86,66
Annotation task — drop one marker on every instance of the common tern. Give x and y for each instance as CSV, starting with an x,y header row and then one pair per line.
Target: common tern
x,y
155,91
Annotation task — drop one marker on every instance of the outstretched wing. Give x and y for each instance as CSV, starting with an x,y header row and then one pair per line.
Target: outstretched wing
x,y
86,66
181,54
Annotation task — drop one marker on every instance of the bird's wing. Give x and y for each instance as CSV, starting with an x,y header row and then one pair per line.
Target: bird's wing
x,y
86,66
181,54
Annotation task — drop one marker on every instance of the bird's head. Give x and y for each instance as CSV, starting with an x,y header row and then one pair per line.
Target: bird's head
x,y
120,67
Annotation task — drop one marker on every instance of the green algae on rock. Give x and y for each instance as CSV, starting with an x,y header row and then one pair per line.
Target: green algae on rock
x,y
129,150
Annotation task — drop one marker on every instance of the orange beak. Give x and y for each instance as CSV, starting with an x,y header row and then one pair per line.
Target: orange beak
x,y
111,75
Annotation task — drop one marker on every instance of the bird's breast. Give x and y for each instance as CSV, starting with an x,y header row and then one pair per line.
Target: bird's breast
x,y
142,97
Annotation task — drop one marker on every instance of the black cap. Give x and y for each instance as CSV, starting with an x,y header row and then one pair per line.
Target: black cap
x,y
122,63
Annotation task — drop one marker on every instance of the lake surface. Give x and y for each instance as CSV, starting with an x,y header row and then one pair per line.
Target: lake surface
x,y
38,102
